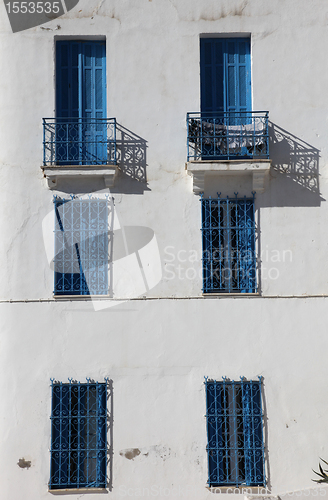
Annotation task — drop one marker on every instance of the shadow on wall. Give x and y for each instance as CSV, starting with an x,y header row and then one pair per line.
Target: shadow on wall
x,y
131,151
294,172
132,162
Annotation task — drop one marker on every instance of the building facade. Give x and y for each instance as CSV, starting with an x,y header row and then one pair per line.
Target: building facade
x,y
164,285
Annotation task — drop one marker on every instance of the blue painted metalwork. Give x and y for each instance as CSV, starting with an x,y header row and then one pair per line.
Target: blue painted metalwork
x,y
79,141
228,136
229,255
235,433
78,435
81,246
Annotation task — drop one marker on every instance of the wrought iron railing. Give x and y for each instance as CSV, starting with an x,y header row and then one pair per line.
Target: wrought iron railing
x,y
79,141
228,136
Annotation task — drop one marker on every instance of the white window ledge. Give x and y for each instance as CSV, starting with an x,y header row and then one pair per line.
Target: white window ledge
x,y
53,173
258,169
69,491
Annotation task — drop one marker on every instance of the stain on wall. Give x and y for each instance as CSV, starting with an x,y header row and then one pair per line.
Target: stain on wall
x,y
130,453
24,464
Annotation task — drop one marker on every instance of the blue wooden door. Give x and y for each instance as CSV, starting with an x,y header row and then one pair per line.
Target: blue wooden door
x,y
225,70
81,135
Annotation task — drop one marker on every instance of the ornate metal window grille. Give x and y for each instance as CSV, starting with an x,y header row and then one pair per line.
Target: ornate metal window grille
x,y
78,435
229,255
81,246
235,433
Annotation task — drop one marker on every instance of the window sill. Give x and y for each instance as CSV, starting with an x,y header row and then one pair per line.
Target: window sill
x,y
82,297
55,172
74,491
234,295
258,169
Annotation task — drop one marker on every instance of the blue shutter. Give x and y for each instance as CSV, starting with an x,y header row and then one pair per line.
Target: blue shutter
x,y
225,68
212,75
253,434
68,102
94,102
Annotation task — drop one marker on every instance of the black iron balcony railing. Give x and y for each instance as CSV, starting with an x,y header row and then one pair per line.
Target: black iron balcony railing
x,y
228,136
79,141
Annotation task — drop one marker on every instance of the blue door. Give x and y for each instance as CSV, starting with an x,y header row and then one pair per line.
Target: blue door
x,y
81,131
225,70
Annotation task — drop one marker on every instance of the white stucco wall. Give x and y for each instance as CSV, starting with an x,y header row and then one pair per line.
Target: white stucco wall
x,y
158,349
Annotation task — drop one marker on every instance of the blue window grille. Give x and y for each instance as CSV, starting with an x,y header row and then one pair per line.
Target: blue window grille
x,y
81,246
235,433
229,255
78,435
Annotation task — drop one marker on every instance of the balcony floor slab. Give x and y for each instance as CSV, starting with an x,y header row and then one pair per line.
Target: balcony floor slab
x,y
258,169
54,172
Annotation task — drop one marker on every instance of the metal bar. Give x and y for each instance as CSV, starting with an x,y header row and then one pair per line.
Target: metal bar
x,y
262,436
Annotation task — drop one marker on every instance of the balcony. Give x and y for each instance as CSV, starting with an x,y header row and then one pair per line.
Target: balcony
x,y
79,147
228,144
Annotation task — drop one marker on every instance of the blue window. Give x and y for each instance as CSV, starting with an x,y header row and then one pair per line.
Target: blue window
x,y
78,435
81,246
229,256
81,124
235,433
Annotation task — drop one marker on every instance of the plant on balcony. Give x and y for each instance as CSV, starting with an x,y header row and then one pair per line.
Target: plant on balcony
x,y
323,474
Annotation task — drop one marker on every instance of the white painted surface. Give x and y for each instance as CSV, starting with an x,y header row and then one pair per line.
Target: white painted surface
x,y
158,349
